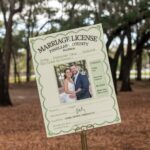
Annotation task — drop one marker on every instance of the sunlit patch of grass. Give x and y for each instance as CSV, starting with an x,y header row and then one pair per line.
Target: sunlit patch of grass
x,y
22,79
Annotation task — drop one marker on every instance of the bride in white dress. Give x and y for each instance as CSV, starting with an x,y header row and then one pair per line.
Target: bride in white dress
x,y
69,94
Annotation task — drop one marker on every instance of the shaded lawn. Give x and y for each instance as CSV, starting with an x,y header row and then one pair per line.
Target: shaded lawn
x,y
22,128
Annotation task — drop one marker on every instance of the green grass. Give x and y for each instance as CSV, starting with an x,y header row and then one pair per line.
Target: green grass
x,y
22,78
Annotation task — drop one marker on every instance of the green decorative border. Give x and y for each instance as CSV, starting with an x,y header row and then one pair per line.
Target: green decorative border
x,y
32,41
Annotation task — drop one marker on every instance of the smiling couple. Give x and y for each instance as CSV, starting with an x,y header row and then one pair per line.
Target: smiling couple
x,y
76,85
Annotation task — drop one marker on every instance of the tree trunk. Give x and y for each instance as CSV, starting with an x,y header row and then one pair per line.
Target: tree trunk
x,y
127,60
126,75
121,67
114,62
28,67
5,65
139,67
139,50
112,67
149,65
7,50
28,26
4,93
16,73
57,77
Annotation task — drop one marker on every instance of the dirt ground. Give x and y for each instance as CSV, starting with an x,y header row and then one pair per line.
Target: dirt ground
x,y
22,128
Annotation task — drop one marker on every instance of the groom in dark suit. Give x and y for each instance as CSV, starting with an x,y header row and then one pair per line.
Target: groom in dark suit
x,y
81,83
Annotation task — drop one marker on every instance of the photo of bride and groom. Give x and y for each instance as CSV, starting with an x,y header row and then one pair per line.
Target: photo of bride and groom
x,y
75,83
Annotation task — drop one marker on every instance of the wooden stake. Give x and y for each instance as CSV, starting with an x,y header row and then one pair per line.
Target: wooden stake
x,y
84,140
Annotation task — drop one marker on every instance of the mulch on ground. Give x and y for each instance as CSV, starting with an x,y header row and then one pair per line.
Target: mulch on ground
x,y
22,127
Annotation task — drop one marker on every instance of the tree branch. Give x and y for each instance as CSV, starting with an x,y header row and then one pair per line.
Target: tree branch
x,y
4,12
145,37
19,9
49,21
115,32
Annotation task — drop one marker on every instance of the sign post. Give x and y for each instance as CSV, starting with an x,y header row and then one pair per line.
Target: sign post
x,y
74,81
84,140
83,135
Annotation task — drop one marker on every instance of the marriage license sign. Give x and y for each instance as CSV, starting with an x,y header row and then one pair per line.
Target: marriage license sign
x,y
74,80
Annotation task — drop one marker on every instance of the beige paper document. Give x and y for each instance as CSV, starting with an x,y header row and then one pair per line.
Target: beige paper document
x,y
74,80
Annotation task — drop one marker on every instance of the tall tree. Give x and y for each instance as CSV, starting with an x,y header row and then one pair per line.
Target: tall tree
x,y
32,9
114,61
128,58
10,7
